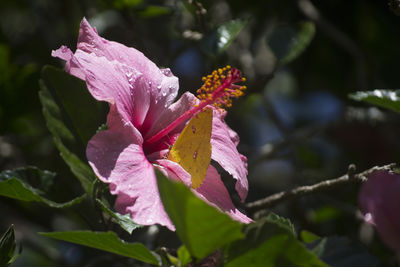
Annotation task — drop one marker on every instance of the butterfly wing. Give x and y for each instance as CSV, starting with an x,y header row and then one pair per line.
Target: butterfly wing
x,y
192,149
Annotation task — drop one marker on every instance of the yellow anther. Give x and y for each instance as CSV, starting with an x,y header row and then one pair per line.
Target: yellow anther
x,y
220,87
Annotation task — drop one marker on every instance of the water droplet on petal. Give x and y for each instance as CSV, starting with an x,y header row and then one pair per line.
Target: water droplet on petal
x,y
159,87
164,93
166,72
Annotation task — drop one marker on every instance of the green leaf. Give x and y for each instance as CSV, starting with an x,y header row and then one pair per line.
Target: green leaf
x,y
42,180
65,140
125,221
108,241
270,242
313,242
123,4
7,247
18,183
219,40
389,99
184,256
288,42
318,247
325,213
308,237
154,11
282,222
201,227
80,109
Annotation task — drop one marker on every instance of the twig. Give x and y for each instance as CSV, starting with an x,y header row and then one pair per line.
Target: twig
x,y
349,177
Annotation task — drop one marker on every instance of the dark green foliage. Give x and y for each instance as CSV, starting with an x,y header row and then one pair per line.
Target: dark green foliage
x,y
288,42
124,221
65,141
7,247
270,242
30,184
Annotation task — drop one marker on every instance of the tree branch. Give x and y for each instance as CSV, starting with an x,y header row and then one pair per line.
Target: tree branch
x,y
350,177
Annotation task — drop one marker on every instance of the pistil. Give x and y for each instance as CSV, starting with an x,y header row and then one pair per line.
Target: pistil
x,y
218,89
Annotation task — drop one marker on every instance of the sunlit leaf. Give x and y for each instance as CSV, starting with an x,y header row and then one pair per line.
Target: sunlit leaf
x,y
184,256
125,221
288,42
202,228
108,241
389,99
19,184
219,40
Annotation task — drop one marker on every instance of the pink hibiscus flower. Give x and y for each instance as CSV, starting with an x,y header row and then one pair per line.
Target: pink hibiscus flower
x,y
379,200
144,122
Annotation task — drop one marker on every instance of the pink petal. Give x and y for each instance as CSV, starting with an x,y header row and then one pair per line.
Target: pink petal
x,y
213,191
116,83
379,200
224,151
63,52
162,84
117,158
174,171
171,113
72,68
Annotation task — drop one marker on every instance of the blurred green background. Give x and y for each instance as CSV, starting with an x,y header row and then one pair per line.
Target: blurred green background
x,y
296,123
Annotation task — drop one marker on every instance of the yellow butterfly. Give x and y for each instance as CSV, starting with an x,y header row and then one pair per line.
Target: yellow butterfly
x,y
192,149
